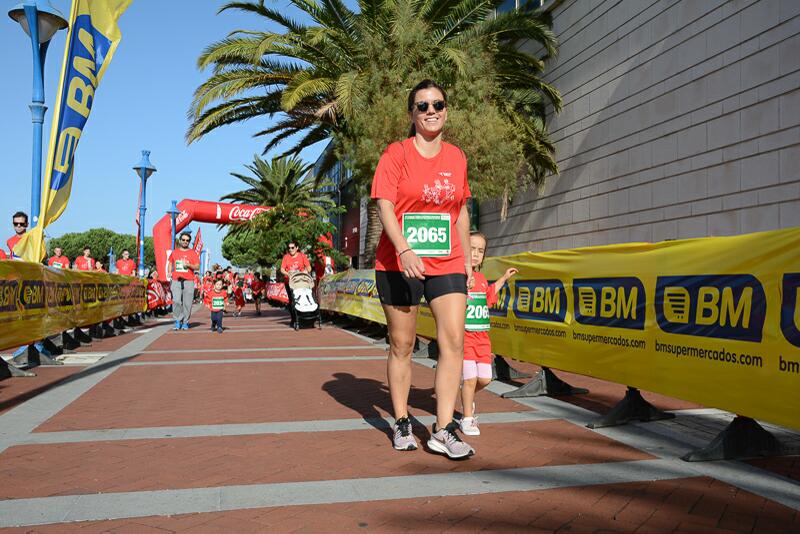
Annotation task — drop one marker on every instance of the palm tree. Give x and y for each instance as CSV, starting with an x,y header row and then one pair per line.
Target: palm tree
x,y
318,78
284,182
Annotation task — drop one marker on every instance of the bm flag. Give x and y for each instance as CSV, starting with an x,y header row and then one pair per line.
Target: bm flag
x,y
92,39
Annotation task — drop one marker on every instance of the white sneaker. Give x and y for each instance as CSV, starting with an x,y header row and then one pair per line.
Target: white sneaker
x,y
469,426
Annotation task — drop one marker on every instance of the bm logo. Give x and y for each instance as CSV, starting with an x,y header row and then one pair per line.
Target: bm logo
x,y
616,302
540,300
790,308
503,298
720,306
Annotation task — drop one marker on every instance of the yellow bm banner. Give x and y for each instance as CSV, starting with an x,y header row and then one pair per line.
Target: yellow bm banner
x,y
711,320
38,301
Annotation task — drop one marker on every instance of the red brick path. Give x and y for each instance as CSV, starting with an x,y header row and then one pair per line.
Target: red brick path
x,y
188,394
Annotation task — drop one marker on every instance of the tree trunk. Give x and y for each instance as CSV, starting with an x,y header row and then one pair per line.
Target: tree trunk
x,y
374,229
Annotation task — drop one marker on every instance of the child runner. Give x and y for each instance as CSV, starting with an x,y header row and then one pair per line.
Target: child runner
x,y
217,302
257,286
237,289
477,346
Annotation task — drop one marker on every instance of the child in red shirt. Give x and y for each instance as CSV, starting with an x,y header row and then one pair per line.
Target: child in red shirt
x,y
477,346
238,295
257,286
217,302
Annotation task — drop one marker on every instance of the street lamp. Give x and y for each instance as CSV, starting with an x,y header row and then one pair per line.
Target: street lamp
x,y
173,213
40,21
143,169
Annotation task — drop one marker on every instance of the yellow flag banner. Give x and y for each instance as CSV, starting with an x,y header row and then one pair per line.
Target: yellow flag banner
x,y
712,320
91,41
38,301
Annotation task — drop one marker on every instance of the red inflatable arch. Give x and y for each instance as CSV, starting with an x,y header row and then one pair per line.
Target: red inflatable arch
x,y
200,211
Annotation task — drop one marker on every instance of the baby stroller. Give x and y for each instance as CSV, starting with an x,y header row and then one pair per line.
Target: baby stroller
x,y
305,307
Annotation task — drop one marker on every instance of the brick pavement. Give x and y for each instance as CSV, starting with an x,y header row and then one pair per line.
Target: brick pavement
x,y
226,417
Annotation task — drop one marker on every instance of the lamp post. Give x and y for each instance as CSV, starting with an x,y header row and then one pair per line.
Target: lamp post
x,y
112,267
173,213
143,169
40,21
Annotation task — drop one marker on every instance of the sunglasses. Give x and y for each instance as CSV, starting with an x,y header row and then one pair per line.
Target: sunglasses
x,y
20,224
184,240
438,105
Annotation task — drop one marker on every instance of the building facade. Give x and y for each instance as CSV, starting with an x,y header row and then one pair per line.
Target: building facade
x,y
681,119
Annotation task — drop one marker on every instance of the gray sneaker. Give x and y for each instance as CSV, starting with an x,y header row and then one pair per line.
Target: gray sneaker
x,y
446,441
403,439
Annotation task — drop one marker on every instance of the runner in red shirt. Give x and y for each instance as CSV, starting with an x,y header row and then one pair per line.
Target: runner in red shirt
x,y
58,259
183,262
20,222
421,189
3,255
237,289
257,286
293,261
85,262
217,302
98,266
477,369
125,265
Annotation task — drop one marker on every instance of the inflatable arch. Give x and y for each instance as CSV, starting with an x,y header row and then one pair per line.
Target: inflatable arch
x,y
199,211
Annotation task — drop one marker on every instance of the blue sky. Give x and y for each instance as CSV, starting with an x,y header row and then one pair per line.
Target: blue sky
x,y
141,104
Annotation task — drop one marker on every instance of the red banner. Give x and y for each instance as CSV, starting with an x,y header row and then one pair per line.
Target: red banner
x,y
277,292
198,242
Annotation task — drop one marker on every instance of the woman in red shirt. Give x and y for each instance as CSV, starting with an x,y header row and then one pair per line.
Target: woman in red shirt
x,y
421,189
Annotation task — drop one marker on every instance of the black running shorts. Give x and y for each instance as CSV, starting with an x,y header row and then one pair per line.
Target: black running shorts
x,y
396,289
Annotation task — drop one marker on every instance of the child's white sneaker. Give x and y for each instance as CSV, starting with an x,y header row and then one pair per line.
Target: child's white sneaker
x,y
469,426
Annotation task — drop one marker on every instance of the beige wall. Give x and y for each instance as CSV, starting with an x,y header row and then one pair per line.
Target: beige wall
x,y
681,119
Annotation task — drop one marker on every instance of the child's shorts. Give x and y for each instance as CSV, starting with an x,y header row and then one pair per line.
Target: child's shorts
x,y
473,369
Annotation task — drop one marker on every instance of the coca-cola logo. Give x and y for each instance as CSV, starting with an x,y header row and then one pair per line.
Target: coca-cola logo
x,y
244,214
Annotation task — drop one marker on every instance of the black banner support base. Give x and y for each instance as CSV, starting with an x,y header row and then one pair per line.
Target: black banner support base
x,y
427,350
36,358
501,370
82,337
108,330
97,331
631,407
544,383
68,342
8,370
742,438
51,347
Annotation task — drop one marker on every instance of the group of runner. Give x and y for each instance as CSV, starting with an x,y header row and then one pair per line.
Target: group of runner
x,y
125,265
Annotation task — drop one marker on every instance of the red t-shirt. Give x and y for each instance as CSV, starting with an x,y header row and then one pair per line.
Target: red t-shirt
x,y
126,267
420,185
257,286
477,346
179,260
297,263
62,262
3,255
12,242
214,294
84,264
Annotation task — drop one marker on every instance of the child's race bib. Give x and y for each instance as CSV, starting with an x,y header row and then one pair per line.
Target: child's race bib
x,y
217,303
58,264
427,234
477,313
